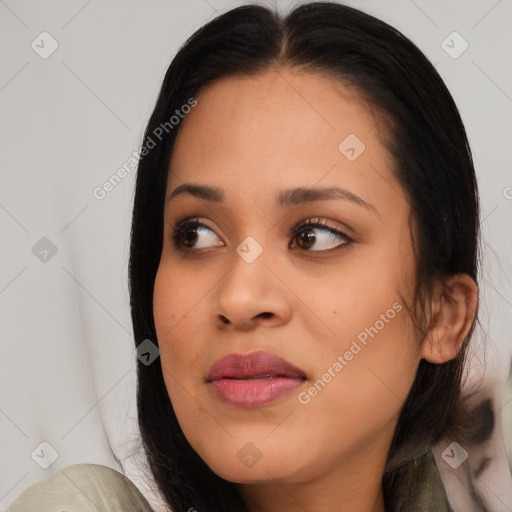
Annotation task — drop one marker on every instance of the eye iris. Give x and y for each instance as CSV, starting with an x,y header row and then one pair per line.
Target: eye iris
x,y
306,236
187,239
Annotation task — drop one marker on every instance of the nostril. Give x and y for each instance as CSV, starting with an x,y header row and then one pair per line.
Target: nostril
x,y
265,315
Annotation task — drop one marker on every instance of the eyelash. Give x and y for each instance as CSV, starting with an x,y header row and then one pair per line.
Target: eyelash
x,y
180,227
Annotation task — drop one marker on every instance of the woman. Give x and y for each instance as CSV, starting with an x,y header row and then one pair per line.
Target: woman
x,y
304,255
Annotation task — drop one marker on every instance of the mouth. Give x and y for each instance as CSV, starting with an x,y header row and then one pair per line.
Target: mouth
x,y
257,377
253,380
253,366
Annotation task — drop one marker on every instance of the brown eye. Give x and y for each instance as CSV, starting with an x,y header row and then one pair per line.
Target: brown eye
x,y
320,235
189,236
187,233
306,238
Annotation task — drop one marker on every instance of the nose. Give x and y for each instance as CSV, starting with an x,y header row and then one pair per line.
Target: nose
x,y
249,295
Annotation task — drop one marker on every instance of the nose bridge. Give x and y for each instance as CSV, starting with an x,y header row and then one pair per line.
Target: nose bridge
x,y
248,275
249,289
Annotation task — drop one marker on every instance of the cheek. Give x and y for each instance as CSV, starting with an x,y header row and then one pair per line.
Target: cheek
x,y
180,297
370,384
182,309
372,332
352,302
175,310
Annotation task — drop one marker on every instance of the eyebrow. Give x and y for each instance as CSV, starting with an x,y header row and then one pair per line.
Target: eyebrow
x,y
284,198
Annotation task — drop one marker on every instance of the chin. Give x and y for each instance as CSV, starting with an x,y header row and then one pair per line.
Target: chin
x,y
266,469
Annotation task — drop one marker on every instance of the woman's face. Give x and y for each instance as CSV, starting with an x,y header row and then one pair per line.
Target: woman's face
x,y
327,303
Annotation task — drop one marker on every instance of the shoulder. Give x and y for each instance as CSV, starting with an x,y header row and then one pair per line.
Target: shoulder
x,y
82,488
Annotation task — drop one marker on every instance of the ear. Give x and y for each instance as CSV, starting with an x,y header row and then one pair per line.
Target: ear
x,y
454,306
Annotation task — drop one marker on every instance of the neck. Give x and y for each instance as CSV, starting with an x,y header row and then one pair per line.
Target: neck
x,y
289,499
354,485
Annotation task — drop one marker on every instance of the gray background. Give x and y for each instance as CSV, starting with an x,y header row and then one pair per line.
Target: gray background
x,y
70,120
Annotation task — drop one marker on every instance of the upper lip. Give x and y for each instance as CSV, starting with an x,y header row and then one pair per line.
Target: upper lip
x,y
253,364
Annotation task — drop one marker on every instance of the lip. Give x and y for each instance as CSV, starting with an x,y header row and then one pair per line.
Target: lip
x,y
254,379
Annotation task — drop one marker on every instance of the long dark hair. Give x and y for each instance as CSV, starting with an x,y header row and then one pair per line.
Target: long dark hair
x,y
432,162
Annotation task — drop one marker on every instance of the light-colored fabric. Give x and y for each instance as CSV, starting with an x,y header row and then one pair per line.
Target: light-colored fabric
x,y
82,488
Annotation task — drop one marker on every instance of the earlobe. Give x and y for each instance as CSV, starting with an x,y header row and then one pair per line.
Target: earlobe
x,y
454,306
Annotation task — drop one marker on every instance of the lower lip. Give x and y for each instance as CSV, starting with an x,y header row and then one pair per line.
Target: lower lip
x,y
255,392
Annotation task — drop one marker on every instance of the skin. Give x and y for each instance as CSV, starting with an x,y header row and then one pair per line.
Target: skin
x,y
252,136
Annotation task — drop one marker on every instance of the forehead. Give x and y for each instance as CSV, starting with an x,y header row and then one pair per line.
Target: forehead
x,y
282,126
